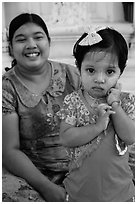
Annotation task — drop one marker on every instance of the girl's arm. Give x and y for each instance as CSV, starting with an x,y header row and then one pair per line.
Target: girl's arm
x,y
123,124
72,136
20,165
76,136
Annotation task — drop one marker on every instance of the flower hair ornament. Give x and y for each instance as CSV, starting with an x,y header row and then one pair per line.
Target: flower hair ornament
x,y
92,38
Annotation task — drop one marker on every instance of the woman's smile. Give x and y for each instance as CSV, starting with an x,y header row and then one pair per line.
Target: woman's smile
x,y
30,46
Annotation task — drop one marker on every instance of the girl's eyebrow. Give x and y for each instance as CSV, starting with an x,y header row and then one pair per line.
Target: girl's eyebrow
x,y
113,66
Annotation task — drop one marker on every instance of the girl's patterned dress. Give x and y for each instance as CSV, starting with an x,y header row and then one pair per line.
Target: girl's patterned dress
x,y
77,112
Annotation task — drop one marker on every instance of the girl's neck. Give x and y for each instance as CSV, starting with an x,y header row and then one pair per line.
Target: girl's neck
x,y
93,100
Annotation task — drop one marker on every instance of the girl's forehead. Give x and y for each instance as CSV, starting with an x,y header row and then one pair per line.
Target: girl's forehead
x,y
97,56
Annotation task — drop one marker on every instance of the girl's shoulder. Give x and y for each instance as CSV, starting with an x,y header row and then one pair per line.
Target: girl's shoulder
x,y
126,96
128,104
72,97
127,99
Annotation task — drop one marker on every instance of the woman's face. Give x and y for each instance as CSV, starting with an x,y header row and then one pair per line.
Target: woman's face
x,y
99,73
30,46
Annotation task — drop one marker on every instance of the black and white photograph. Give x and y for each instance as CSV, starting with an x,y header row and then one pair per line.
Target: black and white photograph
x,y
68,101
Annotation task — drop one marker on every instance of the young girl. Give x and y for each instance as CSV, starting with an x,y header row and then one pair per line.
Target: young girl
x,y
97,122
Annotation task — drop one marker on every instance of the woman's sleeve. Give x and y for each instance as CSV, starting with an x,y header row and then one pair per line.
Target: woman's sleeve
x,y
73,76
8,98
68,111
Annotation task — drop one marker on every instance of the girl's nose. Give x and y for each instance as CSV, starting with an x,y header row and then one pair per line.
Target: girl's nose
x,y
31,44
100,78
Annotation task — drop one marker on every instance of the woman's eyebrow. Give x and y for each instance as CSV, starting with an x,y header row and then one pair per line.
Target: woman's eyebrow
x,y
19,35
39,32
35,33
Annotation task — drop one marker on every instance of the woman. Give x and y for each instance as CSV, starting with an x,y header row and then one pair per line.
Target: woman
x,y
33,91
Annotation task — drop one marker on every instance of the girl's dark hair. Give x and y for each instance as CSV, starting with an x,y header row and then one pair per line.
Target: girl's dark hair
x,y
22,19
112,41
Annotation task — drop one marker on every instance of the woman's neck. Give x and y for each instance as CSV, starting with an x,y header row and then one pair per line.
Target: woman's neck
x,y
32,74
36,82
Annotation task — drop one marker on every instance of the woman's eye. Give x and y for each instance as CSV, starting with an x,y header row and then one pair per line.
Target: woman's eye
x,y
110,72
39,37
20,40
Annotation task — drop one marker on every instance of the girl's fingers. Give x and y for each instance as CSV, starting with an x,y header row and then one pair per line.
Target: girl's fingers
x,y
103,108
109,112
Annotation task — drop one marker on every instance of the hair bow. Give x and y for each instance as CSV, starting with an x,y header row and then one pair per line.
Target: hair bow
x,y
92,38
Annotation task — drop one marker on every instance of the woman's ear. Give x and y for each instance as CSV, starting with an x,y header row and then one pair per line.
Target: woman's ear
x,y
11,51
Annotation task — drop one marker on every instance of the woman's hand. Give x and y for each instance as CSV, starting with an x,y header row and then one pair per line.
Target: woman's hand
x,y
54,193
114,94
104,111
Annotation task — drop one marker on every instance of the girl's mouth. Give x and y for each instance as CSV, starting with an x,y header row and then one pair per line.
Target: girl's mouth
x,y
97,89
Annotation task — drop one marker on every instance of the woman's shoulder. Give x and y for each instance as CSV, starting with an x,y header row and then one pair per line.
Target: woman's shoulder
x,y
69,70
7,83
11,85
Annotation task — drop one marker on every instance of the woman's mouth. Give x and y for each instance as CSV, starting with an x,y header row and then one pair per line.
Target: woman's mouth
x,y
32,55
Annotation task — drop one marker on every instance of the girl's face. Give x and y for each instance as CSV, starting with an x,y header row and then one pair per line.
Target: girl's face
x,y
30,46
99,73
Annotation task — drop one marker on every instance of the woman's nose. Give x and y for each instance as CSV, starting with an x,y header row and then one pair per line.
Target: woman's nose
x,y
100,78
31,44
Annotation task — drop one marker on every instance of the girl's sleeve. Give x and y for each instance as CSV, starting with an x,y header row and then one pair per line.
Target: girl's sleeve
x,y
68,111
8,98
128,104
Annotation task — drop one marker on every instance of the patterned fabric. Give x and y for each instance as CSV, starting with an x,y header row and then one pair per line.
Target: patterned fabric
x,y
38,119
75,113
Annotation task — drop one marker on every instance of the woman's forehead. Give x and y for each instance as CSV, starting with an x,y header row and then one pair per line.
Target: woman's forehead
x,y
27,27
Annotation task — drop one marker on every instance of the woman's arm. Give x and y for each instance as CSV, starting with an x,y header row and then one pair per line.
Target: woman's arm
x,y
20,165
123,124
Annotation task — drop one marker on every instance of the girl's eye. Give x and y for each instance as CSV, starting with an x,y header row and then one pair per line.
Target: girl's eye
x,y
110,71
91,70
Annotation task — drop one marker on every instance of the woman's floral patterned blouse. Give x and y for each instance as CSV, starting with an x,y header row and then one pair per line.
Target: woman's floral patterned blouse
x,y
39,122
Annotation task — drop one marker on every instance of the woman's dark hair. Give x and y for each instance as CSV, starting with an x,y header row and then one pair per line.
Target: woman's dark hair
x,y
22,19
112,41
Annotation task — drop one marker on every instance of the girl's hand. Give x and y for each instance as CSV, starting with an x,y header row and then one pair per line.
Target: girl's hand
x,y
104,111
114,94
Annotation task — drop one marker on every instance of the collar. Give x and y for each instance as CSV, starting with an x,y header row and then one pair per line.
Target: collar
x,y
55,88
